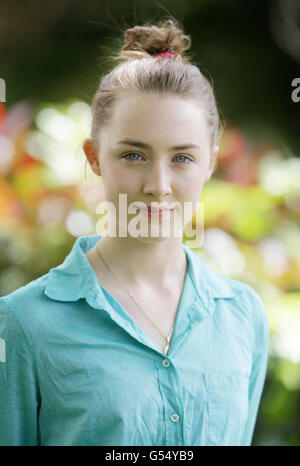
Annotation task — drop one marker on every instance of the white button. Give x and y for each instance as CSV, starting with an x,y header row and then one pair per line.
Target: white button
x,y
174,417
166,363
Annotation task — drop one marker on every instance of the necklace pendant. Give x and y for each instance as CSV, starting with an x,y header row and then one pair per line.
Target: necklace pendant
x,y
165,350
168,338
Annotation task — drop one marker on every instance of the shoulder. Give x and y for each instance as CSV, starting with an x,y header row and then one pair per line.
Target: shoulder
x,y
19,310
249,298
247,306
240,296
248,301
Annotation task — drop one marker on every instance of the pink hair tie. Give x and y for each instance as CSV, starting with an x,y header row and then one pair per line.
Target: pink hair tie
x,y
164,54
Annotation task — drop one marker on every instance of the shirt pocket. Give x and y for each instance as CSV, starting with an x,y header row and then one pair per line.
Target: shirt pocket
x,y
227,407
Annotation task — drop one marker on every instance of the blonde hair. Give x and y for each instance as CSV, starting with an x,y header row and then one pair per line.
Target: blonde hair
x,y
139,70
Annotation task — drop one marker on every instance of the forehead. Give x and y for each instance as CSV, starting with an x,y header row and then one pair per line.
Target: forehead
x,y
157,117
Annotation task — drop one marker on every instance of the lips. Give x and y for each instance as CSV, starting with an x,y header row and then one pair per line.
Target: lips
x,y
155,210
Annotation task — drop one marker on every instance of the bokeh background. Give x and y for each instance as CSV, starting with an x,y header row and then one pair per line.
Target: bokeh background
x,y
52,56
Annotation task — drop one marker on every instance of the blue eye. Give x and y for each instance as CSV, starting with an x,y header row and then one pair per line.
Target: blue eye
x,y
185,157
127,155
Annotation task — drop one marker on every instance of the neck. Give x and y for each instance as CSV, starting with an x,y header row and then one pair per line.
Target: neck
x,y
161,264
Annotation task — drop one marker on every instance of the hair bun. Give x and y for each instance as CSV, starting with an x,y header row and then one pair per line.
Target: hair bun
x,y
150,39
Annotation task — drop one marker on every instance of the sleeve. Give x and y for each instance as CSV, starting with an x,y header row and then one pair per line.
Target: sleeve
x,y
19,398
259,364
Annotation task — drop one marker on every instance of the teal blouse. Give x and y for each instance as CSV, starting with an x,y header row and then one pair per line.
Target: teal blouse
x,y
76,369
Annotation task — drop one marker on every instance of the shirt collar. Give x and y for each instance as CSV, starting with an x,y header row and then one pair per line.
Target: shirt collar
x,y
75,279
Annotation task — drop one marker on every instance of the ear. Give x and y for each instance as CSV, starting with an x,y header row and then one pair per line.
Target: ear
x,y
212,163
91,153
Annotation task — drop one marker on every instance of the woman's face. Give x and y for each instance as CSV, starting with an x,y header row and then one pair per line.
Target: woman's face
x,y
137,154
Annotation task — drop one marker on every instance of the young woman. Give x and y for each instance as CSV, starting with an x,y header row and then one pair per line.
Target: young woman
x,y
133,339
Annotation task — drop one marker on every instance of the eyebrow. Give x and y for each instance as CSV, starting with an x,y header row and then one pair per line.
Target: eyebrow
x,y
131,142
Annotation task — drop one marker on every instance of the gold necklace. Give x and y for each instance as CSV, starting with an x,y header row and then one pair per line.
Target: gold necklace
x,y
167,338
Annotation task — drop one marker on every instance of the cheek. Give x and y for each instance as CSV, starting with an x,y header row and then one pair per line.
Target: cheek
x,y
126,178
117,187
117,179
191,193
192,185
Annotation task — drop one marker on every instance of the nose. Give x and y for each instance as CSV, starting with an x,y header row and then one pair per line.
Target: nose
x,y
157,181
